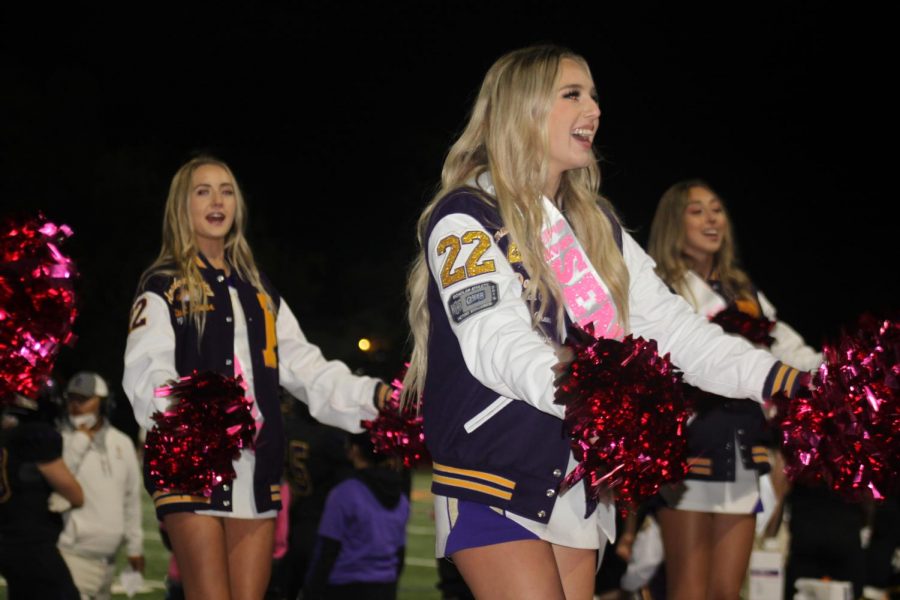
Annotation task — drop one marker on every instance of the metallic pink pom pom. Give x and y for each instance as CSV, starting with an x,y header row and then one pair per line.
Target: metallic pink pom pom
x,y
398,431
193,444
625,416
845,432
37,303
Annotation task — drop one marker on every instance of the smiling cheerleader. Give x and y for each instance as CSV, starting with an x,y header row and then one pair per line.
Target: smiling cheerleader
x,y
203,306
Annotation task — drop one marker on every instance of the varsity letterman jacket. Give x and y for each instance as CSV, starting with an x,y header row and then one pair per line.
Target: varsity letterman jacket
x,y
491,425
723,427
163,344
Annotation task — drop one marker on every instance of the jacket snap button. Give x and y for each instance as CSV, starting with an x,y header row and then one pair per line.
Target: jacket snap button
x,y
557,473
225,488
226,503
220,278
228,319
551,493
541,514
228,361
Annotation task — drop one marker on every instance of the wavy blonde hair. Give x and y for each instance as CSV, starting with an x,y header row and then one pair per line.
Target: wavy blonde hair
x,y
507,135
179,254
667,239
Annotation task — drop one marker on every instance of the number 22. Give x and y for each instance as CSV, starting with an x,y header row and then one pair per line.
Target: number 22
x,y
451,245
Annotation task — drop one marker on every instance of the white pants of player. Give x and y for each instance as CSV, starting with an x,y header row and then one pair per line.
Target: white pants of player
x,y
93,576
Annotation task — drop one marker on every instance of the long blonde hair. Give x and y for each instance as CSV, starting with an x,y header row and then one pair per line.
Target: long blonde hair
x,y
179,255
667,239
507,136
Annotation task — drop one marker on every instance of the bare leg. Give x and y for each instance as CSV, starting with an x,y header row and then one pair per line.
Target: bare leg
x,y
520,570
781,485
732,543
577,569
198,542
249,543
688,543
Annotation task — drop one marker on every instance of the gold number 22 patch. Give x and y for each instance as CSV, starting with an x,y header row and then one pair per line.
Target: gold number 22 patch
x,y
451,245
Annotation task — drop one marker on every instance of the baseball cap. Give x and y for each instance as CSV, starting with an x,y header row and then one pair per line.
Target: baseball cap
x,y
87,384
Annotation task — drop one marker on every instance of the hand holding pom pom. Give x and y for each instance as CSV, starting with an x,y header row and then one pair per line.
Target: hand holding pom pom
x,y
193,444
845,432
397,431
625,416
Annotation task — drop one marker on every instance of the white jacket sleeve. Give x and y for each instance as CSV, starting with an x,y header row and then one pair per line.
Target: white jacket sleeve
x,y
149,357
335,395
498,343
710,359
789,346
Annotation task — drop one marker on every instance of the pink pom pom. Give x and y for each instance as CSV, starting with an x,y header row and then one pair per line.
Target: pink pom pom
x,y
755,329
625,415
37,303
845,432
398,431
193,444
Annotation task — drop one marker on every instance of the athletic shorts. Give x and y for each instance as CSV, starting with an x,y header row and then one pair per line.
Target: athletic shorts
x,y
461,524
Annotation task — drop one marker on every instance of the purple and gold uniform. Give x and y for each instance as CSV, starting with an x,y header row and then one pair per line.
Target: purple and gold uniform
x,y
728,438
490,422
248,333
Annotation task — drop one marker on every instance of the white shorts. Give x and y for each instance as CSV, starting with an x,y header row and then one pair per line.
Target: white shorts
x,y
740,496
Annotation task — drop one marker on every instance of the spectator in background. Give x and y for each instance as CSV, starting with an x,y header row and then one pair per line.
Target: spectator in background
x,y
362,535
315,461
104,461
31,467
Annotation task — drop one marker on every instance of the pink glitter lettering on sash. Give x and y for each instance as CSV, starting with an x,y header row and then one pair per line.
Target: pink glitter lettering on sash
x,y
584,295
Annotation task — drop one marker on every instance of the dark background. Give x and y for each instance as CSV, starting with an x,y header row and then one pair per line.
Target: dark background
x,y
336,117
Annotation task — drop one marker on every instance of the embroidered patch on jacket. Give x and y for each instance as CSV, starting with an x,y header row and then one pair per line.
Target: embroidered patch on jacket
x,y
465,303
175,291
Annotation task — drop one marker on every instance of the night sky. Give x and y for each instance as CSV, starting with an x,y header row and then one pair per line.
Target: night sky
x,y
336,118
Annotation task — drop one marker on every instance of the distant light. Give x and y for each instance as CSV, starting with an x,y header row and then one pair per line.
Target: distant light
x,y
364,344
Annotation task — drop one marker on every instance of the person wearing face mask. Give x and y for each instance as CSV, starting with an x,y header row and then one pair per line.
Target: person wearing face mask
x,y
104,462
708,522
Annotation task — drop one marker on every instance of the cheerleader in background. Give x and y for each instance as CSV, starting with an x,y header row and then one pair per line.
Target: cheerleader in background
x,y
204,305
709,521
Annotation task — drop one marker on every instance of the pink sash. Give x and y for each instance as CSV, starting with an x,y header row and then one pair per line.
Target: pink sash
x,y
585,296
